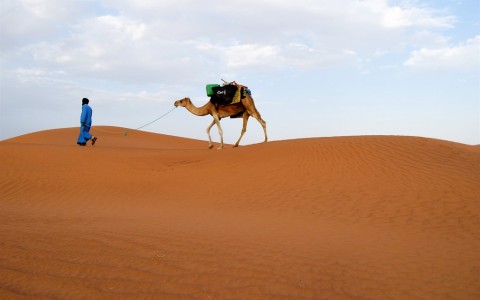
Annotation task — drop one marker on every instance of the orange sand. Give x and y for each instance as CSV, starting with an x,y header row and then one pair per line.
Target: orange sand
x,y
154,216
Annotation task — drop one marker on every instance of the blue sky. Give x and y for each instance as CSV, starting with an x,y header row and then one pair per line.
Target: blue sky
x,y
315,68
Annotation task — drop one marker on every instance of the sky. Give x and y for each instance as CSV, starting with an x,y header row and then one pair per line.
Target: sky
x,y
316,68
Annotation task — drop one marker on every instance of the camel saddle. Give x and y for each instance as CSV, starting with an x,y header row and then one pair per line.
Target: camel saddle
x,y
228,94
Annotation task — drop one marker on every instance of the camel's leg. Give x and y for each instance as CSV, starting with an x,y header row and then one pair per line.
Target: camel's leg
x,y
216,119
257,116
244,128
264,125
210,144
252,110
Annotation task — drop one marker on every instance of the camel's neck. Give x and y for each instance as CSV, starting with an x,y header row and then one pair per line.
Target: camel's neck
x,y
198,111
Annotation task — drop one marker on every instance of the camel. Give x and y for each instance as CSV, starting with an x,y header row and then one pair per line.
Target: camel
x,y
245,108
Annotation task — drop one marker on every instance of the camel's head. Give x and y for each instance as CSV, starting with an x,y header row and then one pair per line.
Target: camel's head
x,y
183,102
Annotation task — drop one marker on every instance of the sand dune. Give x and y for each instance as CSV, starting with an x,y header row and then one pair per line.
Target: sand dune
x,y
154,216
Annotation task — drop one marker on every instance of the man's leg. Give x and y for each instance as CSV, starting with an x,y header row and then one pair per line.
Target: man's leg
x,y
88,136
81,137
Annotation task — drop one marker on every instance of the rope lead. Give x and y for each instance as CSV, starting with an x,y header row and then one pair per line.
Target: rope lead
x,y
125,133
156,119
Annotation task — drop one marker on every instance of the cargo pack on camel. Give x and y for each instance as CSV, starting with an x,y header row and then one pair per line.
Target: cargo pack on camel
x,y
230,93
230,100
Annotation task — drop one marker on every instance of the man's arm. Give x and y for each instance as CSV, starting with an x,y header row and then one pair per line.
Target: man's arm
x,y
83,116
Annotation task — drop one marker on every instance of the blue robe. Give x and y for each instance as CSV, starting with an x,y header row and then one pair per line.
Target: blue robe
x,y
85,124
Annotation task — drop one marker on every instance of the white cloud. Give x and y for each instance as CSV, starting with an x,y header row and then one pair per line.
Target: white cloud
x,y
462,57
133,30
251,55
405,15
44,9
141,40
24,73
35,20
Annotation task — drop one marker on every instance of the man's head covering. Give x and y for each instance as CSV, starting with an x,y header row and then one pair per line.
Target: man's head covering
x,y
84,101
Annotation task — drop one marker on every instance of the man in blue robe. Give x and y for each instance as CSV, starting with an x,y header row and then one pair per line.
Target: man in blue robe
x,y
85,124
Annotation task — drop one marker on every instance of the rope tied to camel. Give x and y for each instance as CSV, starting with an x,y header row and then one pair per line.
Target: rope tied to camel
x,y
138,128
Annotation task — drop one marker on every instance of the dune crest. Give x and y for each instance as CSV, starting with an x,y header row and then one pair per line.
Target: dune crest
x,y
156,216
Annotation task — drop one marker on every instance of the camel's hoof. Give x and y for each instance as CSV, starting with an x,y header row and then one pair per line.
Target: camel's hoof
x,y
210,146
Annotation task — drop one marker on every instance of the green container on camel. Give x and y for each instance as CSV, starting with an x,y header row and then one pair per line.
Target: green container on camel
x,y
210,89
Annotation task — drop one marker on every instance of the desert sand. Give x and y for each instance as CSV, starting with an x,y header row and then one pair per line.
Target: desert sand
x,y
150,216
